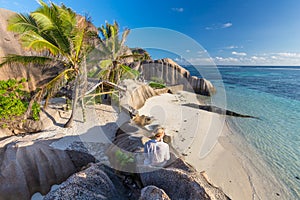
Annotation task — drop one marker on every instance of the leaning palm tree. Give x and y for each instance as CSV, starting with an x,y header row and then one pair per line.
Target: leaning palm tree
x,y
59,37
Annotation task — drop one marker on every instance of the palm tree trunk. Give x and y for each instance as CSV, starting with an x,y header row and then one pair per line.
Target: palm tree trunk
x,y
74,103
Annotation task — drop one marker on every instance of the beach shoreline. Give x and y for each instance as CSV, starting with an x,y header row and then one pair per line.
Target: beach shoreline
x,y
229,163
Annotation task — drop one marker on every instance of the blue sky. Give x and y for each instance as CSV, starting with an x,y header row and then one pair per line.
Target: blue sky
x,y
234,32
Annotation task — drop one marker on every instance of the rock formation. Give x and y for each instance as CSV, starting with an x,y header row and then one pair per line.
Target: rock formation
x,y
152,192
173,74
97,182
9,44
91,183
30,167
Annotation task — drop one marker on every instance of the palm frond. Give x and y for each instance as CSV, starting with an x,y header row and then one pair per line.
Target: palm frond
x,y
21,23
128,72
38,43
14,59
51,24
124,37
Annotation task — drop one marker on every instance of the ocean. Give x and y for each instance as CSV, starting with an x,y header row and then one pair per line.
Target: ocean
x,y
272,94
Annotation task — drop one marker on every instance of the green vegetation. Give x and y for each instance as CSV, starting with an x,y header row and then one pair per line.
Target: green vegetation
x,y
14,103
114,54
157,83
140,54
123,158
59,38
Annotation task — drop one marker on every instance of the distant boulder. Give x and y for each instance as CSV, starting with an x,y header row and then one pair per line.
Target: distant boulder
x,y
173,74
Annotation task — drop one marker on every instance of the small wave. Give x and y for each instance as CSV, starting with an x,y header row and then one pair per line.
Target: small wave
x,y
283,68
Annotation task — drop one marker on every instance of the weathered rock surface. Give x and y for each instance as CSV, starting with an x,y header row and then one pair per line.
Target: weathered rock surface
x,y
136,94
30,167
173,74
153,193
48,117
181,184
96,182
91,183
9,44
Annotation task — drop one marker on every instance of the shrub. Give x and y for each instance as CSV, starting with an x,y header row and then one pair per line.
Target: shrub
x,y
14,102
157,85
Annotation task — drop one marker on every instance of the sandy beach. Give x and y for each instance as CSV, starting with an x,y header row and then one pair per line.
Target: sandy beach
x,y
202,138
205,141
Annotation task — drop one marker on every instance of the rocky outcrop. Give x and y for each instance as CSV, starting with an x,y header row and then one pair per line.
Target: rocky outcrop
x,y
152,192
136,93
96,182
30,167
9,44
180,184
173,74
91,183
48,117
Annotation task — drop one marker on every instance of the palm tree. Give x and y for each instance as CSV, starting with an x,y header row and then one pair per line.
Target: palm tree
x,y
58,36
114,55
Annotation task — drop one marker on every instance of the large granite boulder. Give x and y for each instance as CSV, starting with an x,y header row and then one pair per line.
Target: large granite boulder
x,y
34,166
96,182
136,94
180,184
173,74
91,183
152,192
9,44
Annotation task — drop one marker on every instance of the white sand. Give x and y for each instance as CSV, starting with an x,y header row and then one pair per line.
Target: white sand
x,y
203,140
99,127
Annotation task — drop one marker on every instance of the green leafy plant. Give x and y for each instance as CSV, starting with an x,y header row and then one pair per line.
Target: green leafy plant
x,y
123,158
14,102
35,111
157,85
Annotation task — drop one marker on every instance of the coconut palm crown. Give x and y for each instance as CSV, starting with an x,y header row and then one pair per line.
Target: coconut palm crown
x,y
114,55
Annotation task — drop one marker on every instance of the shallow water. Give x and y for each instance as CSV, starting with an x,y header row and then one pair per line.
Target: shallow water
x,y
273,95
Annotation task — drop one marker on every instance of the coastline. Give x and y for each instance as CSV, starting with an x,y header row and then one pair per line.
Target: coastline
x,y
240,175
224,157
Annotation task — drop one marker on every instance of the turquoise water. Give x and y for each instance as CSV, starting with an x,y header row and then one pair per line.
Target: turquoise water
x,y
273,95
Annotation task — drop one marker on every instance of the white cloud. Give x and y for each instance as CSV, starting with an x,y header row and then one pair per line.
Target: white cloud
x,y
218,26
279,59
227,25
229,59
238,53
188,51
202,52
260,58
289,55
178,9
201,61
232,47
